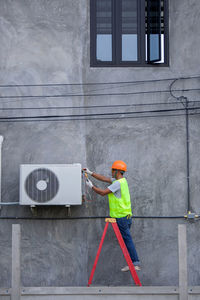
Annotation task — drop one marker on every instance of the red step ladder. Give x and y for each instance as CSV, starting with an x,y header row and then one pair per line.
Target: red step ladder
x,y
123,247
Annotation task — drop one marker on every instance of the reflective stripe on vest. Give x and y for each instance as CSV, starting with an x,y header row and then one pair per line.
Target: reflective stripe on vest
x,y
120,207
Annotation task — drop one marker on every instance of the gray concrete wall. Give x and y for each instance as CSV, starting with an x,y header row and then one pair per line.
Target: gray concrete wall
x,y
48,42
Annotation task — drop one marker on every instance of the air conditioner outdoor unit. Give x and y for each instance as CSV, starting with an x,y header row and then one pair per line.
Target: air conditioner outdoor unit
x,y
50,184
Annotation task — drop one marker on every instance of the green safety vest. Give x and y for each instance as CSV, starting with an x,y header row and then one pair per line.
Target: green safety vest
x,y
120,207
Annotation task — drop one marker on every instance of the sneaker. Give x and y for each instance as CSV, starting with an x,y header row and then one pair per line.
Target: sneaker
x,y
125,269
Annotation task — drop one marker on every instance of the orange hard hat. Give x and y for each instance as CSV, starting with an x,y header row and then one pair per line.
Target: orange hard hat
x,y
119,165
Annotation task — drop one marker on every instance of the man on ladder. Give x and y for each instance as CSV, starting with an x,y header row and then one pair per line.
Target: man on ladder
x,y
119,204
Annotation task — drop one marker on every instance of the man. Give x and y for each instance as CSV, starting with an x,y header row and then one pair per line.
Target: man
x,y
119,204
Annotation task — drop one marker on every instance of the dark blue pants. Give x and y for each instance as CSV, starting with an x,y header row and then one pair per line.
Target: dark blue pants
x,y
124,225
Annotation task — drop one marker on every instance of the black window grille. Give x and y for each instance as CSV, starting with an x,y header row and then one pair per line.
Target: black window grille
x,y
129,32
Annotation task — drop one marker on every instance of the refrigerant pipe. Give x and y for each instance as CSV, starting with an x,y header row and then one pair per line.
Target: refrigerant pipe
x,y
1,141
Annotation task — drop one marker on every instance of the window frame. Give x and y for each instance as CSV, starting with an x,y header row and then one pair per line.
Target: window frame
x,y
149,60
116,51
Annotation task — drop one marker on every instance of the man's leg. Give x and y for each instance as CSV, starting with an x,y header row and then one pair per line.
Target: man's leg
x,y
124,225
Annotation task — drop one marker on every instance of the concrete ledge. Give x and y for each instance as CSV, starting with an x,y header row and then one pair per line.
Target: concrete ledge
x,y
93,293
195,290
112,293
5,294
171,290
4,291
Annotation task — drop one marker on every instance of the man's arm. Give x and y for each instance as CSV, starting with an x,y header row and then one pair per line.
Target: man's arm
x,y
96,189
100,191
102,178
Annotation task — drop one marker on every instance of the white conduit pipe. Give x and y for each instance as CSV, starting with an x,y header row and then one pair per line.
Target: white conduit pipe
x,y
1,141
2,203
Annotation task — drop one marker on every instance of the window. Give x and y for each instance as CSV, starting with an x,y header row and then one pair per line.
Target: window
x,y
129,32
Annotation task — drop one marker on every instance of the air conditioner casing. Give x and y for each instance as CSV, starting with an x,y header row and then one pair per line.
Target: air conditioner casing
x,y
50,184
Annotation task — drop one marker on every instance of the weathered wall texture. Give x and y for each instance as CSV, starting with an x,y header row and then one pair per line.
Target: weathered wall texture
x,y
48,42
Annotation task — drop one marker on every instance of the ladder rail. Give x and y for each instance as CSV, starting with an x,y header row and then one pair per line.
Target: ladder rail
x,y
123,248
98,253
126,254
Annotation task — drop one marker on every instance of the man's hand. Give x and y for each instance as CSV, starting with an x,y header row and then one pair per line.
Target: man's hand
x,y
97,176
86,170
89,183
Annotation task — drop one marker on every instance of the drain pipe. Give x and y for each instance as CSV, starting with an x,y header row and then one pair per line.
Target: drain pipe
x,y
188,153
1,142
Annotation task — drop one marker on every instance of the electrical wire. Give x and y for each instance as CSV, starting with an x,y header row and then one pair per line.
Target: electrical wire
x,y
6,119
21,100
95,119
184,101
98,114
97,83
85,218
96,106
95,95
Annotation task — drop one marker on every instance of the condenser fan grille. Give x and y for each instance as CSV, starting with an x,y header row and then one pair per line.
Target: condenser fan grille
x,y
41,185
